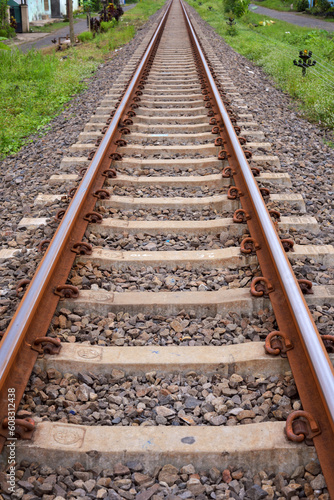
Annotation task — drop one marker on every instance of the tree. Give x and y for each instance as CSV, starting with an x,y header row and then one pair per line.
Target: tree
x,y
3,13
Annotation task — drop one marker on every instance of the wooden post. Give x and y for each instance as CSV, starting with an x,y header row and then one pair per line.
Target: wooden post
x,y
70,18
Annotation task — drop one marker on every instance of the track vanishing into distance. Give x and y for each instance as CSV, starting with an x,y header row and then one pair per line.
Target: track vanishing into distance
x,y
167,162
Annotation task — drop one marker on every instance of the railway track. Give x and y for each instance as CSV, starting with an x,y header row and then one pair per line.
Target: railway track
x,y
146,350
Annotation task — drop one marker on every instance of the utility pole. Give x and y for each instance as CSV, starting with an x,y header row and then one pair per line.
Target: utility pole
x,y
70,18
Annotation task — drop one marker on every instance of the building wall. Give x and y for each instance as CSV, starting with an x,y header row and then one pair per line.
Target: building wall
x,y
39,8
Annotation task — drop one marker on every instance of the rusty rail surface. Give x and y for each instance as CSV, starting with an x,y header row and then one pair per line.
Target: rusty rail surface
x,y
25,335
298,336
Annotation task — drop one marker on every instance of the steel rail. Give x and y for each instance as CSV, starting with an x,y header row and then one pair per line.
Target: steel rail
x,y
321,365
15,334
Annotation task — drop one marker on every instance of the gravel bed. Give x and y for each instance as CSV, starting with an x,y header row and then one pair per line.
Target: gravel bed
x,y
317,273
183,329
159,279
168,191
172,241
151,399
206,213
166,142
170,171
166,156
130,480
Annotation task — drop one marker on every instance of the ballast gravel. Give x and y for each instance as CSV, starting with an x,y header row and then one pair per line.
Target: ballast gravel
x,y
167,192
206,213
169,241
185,328
151,399
170,170
157,279
130,481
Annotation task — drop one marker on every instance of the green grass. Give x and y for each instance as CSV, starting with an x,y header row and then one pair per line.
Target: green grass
x,y
37,85
275,4
274,47
50,27
284,6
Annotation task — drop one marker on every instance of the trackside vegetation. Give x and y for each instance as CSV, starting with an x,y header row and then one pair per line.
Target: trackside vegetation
x,y
36,86
273,45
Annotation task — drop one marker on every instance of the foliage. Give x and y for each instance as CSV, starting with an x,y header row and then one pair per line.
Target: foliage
x,y
107,25
237,7
86,36
3,46
324,5
275,51
7,31
91,5
3,13
302,5
321,8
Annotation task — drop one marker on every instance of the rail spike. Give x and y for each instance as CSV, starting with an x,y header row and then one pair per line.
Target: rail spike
x,y
228,172
249,245
305,286
302,426
240,216
234,193
261,286
46,345
67,291
82,248
277,343
328,341
23,428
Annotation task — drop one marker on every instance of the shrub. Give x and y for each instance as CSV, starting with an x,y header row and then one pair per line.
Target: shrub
x,y
3,46
237,7
302,5
86,36
107,25
7,31
324,5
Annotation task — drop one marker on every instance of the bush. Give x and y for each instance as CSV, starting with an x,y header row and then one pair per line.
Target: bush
x,y
324,5
7,31
302,5
86,36
320,8
4,47
107,25
237,7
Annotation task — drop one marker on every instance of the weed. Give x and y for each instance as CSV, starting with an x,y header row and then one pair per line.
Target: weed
x,y
86,36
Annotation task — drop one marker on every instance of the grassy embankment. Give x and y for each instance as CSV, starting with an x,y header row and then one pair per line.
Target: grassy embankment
x,y
285,6
274,47
36,86
276,4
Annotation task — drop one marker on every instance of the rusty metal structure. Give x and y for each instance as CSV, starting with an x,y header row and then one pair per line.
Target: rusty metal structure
x,y
297,337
